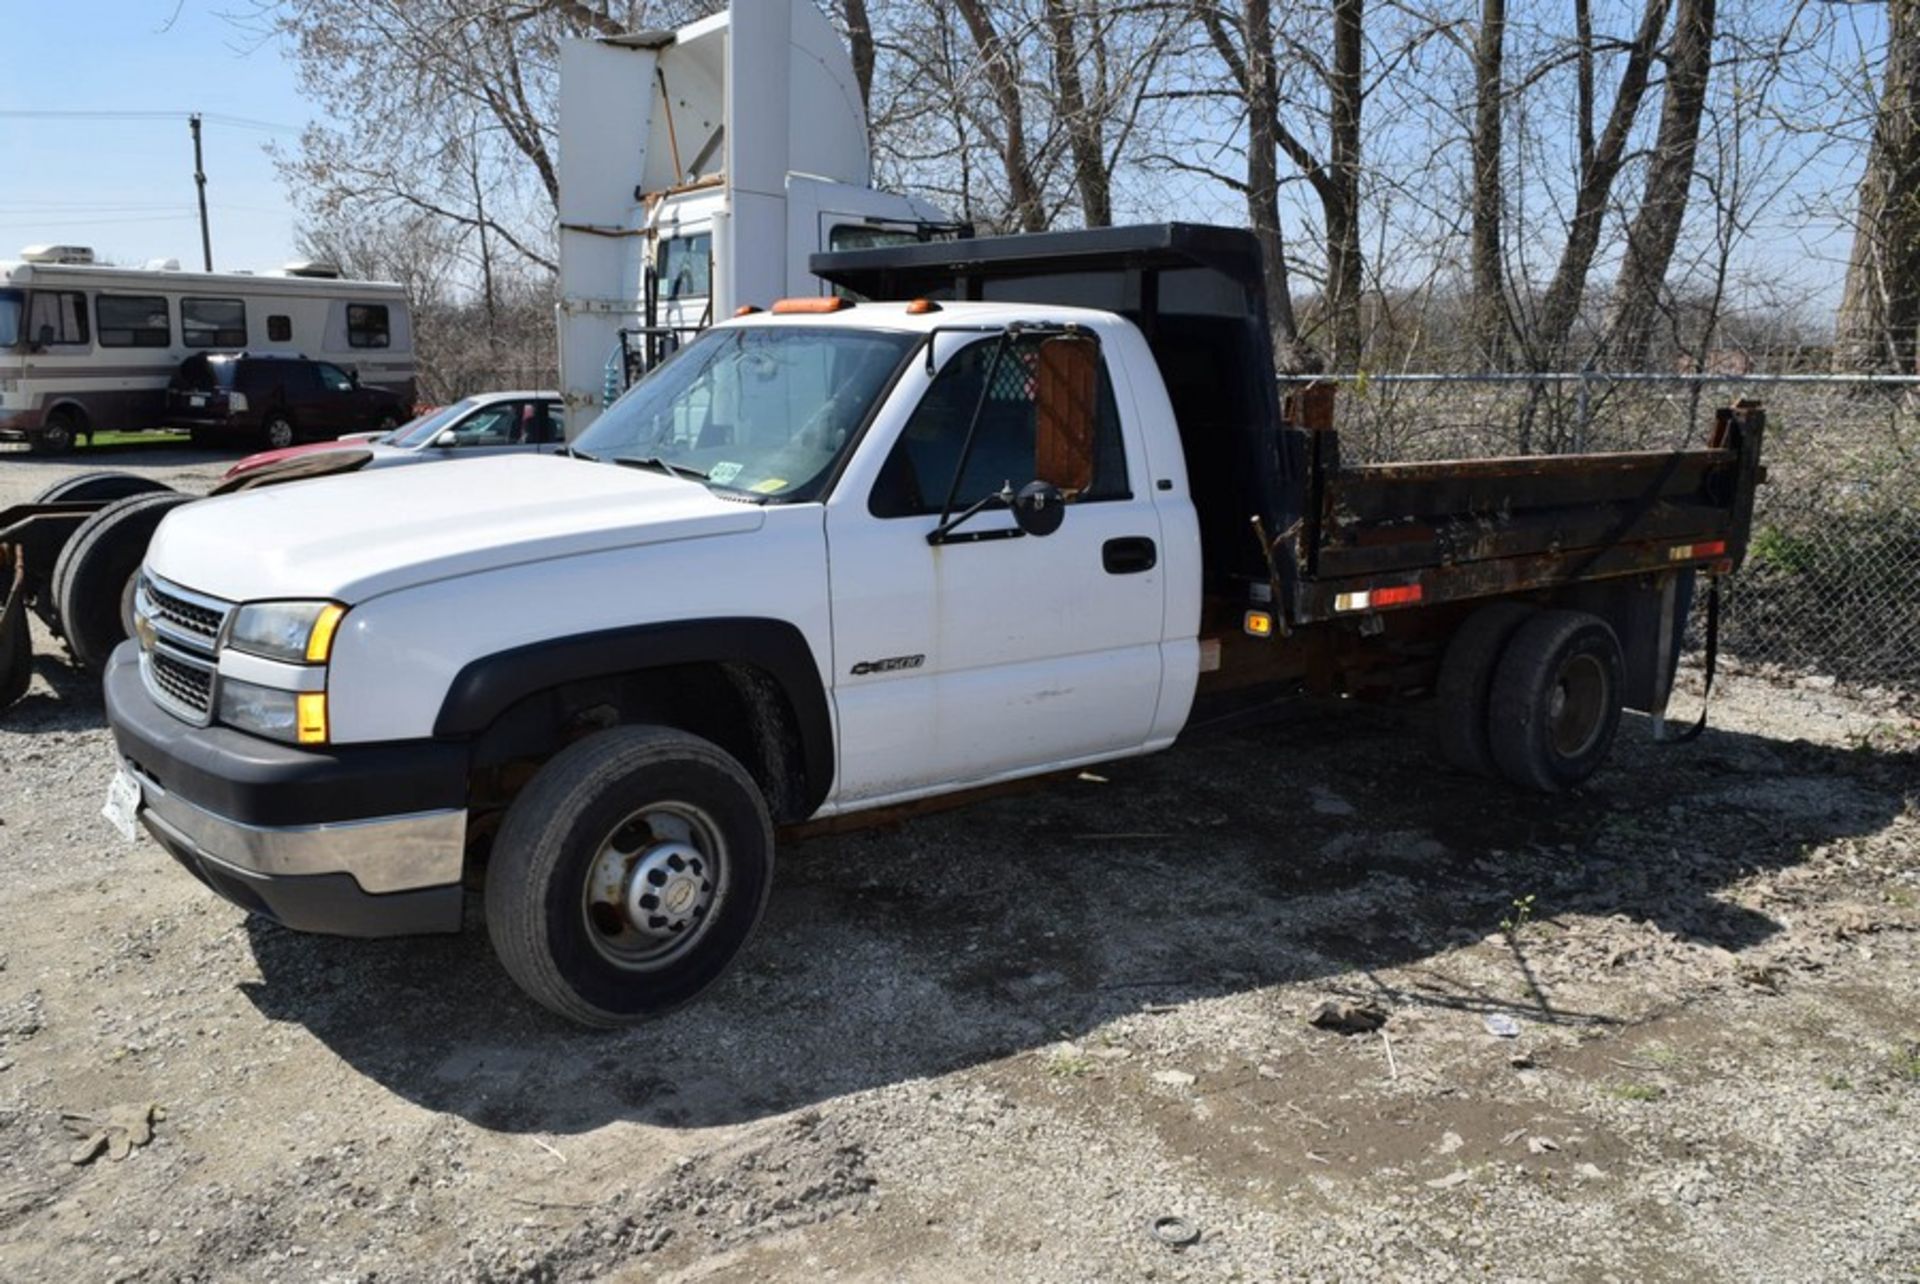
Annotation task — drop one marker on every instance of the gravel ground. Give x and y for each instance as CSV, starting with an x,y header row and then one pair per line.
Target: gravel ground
x,y
1000,1042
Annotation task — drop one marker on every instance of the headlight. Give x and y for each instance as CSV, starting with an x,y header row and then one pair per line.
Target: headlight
x,y
297,717
296,632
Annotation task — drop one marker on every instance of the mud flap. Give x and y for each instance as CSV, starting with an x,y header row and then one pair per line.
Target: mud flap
x,y
16,639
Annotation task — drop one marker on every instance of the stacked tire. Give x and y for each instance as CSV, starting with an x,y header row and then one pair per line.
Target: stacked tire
x,y
94,576
1530,695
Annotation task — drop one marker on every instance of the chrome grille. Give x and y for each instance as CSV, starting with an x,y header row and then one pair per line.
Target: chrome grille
x,y
182,683
197,617
180,655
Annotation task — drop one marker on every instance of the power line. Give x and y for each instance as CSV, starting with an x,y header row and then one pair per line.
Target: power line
x,y
218,118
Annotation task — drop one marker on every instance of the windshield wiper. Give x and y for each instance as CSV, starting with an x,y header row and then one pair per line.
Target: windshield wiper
x,y
658,464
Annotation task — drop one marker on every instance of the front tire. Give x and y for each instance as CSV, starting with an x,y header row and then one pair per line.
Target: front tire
x,y
628,875
58,434
1555,705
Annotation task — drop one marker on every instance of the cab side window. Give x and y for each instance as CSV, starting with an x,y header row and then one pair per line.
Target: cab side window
x,y
333,378
920,469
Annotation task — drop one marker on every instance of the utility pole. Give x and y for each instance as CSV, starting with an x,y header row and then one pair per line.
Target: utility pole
x,y
200,181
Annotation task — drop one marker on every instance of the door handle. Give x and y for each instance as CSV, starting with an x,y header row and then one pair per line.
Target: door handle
x,y
1129,555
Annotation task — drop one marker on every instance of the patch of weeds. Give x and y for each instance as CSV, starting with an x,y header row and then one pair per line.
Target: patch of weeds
x,y
1635,1092
1515,924
1884,737
1906,1064
1664,1055
1837,1082
1069,1063
1903,898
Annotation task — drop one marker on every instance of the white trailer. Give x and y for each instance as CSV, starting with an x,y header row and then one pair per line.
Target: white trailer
x,y
86,348
700,169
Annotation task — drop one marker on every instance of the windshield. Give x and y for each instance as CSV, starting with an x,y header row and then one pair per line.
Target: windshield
x,y
418,432
11,302
764,410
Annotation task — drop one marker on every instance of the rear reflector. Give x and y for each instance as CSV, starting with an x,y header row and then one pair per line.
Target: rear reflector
x,y
1375,599
825,303
1694,552
1259,624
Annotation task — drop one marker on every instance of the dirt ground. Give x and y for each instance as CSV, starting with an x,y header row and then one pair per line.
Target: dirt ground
x,y
1002,1042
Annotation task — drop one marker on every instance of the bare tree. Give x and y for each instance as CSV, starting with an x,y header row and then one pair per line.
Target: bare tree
x,y
1880,308
998,61
1488,199
1655,230
1245,44
1601,163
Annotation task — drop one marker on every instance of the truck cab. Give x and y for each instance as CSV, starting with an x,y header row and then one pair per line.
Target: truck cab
x,y
837,556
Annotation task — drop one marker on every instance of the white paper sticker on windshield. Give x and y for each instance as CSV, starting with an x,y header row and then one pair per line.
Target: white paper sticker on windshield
x,y
724,472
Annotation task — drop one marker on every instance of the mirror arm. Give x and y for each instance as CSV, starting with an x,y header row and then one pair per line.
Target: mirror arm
x,y
940,533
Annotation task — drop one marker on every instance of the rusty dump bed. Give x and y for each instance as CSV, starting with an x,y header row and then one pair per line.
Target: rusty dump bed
x,y
1281,519
1423,533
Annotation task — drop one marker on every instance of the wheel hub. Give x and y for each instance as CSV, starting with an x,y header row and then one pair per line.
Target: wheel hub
x,y
652,888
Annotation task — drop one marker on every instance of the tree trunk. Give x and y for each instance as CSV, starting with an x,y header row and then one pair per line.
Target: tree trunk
x,y
860,46
1340,197
1656,227
1562,305
1085,133
1489,304
1028,210
1880,306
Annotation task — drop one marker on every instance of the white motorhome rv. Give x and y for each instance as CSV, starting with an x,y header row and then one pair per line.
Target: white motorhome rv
x,y
700,169
86,348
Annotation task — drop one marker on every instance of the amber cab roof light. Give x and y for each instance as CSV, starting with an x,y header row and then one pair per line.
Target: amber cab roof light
x,y
824,303
746,310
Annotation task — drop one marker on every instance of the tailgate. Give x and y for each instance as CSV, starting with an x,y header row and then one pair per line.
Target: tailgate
x,y
1407,534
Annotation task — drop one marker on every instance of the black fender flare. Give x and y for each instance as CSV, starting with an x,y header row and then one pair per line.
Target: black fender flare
x,y
488,686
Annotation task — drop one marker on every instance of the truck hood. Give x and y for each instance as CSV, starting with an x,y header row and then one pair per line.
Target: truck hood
x,y
357,536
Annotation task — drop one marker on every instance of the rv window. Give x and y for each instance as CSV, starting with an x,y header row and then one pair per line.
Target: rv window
x,y
213,323
132,321
367,325
686,267
57,316
12,302
279,329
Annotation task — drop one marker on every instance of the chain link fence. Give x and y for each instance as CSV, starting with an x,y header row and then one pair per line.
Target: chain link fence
x,y
1831,584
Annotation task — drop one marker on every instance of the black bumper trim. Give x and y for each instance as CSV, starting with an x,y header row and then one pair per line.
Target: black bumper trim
x,y
258,782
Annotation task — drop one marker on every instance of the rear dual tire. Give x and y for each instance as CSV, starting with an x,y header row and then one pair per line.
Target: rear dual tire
x,y
1529,695
628,875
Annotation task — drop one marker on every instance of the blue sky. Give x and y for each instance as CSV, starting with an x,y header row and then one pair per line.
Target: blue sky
x,y
125,186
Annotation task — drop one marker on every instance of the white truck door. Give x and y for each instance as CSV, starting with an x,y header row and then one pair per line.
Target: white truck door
x,y
1001,653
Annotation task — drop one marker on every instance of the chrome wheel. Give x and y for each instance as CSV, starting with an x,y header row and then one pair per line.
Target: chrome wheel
x,y
279,433
654,887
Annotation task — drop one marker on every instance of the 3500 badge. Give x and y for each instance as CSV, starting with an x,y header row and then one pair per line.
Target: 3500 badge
x,y
891,664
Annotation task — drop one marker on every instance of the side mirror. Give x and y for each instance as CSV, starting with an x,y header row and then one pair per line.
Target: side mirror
x,y
1066,403
446,438
1039,508
353,377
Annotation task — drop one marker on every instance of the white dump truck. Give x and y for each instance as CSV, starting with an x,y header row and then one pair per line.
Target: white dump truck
x,y
1041,510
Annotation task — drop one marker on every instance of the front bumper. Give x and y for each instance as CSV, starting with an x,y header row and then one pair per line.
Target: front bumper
x,y
20,421
346,840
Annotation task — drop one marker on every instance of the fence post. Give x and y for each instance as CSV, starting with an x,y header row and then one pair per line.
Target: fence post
x,y
1582,404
